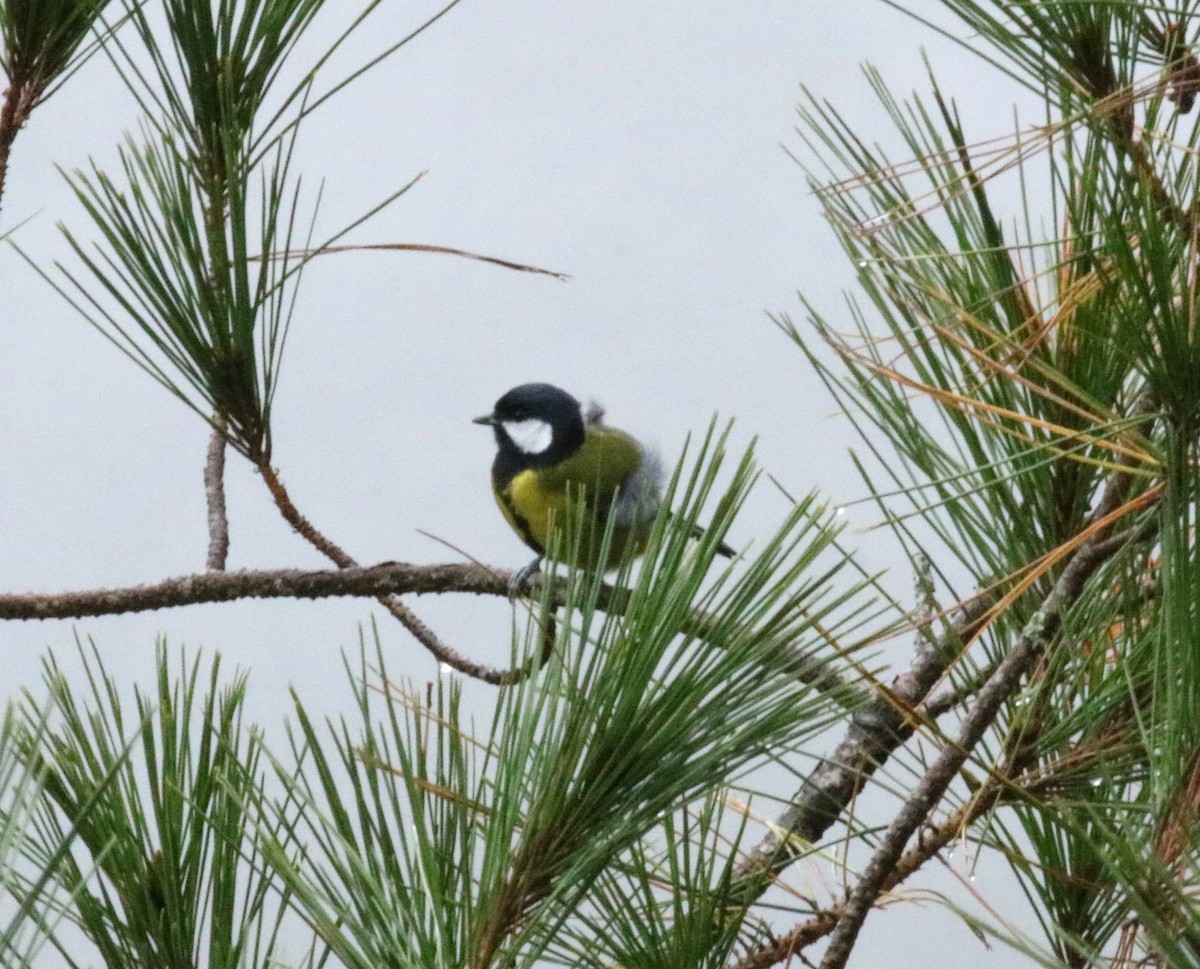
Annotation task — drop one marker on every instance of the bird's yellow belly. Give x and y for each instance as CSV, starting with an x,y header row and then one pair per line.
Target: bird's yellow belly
x,y
538,514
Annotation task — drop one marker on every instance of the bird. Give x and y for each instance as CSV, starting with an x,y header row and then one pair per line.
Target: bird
x,y
551,455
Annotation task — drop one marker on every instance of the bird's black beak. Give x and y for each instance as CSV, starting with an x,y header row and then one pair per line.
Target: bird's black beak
x,y
487,419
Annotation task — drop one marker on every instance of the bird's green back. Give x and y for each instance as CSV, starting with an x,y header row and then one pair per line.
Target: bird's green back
x,y
605,462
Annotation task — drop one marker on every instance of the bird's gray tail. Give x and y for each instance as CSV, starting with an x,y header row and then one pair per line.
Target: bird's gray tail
x,y
698,533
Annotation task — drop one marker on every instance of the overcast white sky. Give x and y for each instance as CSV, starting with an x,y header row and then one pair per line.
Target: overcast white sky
x,y
636,146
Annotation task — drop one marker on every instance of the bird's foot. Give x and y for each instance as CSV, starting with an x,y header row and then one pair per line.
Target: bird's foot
x,y
523,578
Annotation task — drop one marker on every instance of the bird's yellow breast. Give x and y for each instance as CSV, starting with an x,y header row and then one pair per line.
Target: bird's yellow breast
x,y
531,509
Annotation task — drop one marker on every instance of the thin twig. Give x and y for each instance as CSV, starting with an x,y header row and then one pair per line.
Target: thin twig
x,y
408,619
415,247
926,609
214,493
309,532
1038,632
947,699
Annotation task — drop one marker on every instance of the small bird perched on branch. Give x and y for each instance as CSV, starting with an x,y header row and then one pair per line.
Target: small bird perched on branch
x,y
551,456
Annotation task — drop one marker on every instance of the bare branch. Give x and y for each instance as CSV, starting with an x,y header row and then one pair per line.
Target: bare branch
x,y
1019,779
214,493
390,579
381,581
952,696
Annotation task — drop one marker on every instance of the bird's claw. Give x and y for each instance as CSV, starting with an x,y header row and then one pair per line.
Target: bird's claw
x,y
523,578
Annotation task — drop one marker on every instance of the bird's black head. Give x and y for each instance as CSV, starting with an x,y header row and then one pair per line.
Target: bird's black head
x,y
536,425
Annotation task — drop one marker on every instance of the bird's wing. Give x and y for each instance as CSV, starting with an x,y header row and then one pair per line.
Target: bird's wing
x,y
610,465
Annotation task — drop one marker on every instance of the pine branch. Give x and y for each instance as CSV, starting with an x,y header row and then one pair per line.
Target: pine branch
x,y
932,841
206,587
877,729
19,99
1018,779
1038,633
881,726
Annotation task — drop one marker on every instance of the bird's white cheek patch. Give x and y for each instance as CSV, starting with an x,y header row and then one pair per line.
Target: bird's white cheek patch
x,y
531,436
